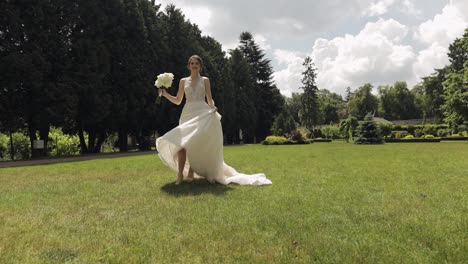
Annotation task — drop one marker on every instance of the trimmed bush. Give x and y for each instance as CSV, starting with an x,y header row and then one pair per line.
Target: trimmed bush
x,y
455,138
278,140
274,140
412,140
320,140
408,137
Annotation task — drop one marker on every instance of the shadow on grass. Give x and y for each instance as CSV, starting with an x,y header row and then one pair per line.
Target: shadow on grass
x,y
197,187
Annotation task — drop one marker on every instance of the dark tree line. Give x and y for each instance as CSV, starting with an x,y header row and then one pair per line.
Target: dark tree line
x,y
89,67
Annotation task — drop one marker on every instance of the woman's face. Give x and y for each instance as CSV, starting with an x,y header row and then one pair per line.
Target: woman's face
x,y
194,65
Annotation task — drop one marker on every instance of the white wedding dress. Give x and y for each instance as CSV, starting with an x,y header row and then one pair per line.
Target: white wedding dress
x,y
200,134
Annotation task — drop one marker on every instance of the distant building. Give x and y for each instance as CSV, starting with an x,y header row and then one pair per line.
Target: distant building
x,y
408,122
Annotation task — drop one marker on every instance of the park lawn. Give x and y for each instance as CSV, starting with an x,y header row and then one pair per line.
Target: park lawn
x,y
329,203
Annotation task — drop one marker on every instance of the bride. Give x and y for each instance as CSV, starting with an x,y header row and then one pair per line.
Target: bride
x,y
195,147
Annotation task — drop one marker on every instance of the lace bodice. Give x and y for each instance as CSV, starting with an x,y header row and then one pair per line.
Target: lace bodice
x,y
194,91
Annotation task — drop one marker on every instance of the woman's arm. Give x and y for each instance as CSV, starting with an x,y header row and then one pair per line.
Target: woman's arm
x,y
209,98
180,94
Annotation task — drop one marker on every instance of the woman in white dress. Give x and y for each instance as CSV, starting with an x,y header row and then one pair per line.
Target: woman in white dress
x,y
195,147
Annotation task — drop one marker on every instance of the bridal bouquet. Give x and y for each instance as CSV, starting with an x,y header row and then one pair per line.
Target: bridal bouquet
x,y
163,81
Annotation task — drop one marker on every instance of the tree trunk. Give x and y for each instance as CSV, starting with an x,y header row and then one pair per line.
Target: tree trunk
x,y
12,150
91,140
123,144
83,146
35,153
100,141
44,135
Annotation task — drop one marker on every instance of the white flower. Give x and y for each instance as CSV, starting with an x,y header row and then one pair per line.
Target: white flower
x,y
164,80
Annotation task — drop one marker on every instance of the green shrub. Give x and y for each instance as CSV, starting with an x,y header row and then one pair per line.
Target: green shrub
x,y
330,131
297,135
111,143
408,136
430,129
21,146
274,140
306,132
442,132
428,136
399,134
418,132
321,140
411,129
279,140
410,140
385,129
4,146
61,144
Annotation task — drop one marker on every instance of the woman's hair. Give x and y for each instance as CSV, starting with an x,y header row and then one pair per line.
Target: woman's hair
x,y
198,58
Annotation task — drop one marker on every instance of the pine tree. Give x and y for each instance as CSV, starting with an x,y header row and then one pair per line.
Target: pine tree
x,y
267,99
309,113
240,103
368,132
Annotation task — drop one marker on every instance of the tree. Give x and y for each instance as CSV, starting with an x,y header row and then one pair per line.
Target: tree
x,y
433,94
33,38
241,105
348,95
348,127
363,102
284,123
397,102
368,132
458,53
330,106
268,101
309,113
294,104
456,98
455,107
420,100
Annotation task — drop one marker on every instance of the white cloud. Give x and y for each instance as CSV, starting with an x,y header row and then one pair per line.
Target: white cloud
x,y
288,80
444,28
408,41
262,42
410,9
438,33
199,15
378,8
374,55
433,57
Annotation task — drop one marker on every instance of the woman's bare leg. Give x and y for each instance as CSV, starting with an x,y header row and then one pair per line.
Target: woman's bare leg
x,y
182,155
190,175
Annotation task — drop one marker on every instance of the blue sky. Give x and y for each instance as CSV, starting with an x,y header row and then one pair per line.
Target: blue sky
x,y
351,42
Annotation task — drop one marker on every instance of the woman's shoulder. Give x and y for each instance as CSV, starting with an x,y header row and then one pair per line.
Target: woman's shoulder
x,y
205,78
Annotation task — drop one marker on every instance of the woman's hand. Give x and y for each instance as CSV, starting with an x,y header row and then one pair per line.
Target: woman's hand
x,y
163,92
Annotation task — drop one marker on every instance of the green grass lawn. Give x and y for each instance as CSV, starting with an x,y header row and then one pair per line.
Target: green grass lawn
x,y
329,203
